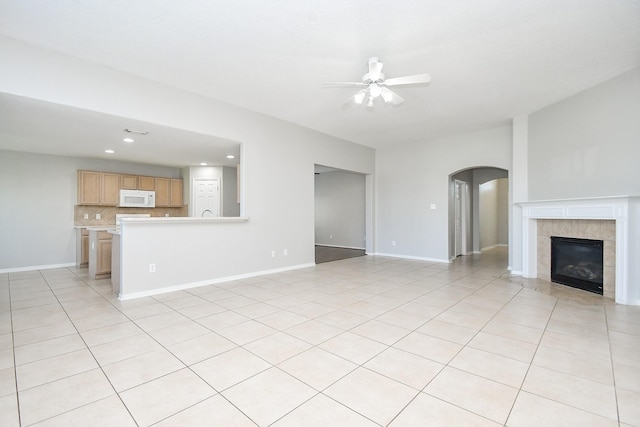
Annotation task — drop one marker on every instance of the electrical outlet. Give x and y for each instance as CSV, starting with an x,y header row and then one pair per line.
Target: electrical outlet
x,y
273,254
286,252
330,236
86,216
152,268
393,243
98,216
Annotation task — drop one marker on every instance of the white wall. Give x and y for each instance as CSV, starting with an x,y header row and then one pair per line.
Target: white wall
x,y
340,209
488,215
277,160
503,211
37,198
411,177
587,145
493,213
230,205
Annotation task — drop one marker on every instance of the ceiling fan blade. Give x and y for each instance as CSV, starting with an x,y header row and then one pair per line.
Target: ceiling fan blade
x,y
408,80
343,84
375,69
391,97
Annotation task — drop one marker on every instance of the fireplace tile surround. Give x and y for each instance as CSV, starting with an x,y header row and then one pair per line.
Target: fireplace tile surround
x,y
615,220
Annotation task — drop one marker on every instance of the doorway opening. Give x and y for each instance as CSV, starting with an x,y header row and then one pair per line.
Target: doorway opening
x,y
341,220
478,210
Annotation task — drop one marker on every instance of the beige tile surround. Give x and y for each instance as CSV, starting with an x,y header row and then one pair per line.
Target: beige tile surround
x,y
108,214
604,230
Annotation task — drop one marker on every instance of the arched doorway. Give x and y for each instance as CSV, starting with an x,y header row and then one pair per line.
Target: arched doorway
x,y
478,210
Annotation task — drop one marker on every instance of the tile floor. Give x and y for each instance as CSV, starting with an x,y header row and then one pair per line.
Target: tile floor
x,y
369,341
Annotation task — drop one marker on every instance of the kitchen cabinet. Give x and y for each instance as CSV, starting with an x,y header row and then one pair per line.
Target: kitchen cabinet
x,y
146,183
103,188
82,247
176,192
98,188
100,243
129,182
162,191
110,189
88,188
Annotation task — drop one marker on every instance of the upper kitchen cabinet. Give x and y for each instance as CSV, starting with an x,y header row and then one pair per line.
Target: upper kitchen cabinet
x,y
110,195
176,192
98,188
146,183
88,188
168,192
162,191
129,182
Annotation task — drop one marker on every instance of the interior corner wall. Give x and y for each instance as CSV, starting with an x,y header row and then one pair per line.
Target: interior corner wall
x,y
410,178
587,145
277,157
340,209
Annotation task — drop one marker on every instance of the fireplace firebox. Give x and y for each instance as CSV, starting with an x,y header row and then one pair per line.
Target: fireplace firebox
x,y
577,263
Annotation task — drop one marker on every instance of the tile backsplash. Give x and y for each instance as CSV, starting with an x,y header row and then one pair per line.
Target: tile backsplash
x,y
108,213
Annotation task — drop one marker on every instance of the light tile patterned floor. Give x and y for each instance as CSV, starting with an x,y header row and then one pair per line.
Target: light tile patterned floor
x,y
369,341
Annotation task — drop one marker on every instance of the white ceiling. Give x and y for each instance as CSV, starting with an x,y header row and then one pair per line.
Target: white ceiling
x,y
42,127
490,60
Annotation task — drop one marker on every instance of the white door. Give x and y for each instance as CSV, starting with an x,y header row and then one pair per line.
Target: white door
x,y
206,197
460,217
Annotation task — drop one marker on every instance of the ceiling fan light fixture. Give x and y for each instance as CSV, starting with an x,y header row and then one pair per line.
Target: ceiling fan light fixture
x,y
375,85
375,90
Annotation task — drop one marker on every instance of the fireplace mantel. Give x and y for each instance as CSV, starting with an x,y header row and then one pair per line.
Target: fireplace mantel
x,y
624,210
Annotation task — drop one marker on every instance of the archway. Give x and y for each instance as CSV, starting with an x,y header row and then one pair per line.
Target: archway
x,y
478,209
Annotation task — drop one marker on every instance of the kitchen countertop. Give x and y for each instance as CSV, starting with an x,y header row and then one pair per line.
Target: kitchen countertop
x,y
106,227
186,219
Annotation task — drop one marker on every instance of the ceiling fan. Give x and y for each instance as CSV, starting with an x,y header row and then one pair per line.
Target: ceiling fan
x,y
376,87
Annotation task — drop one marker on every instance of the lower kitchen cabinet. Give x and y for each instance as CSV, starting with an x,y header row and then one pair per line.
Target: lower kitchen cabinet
x,y
84,248
99,254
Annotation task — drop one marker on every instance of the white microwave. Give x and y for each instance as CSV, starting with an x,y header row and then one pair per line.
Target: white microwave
x,y
137,199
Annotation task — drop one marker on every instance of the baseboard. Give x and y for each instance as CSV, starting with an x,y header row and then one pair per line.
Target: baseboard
x,y
413,257
499,245
36,267
340,246
184,286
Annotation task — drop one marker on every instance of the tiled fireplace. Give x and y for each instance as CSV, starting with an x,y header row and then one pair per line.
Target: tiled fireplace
x,y
614,220
604,230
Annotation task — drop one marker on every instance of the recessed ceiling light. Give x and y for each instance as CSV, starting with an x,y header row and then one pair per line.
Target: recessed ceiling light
x,y
127,139
109,151
203,164
231,156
